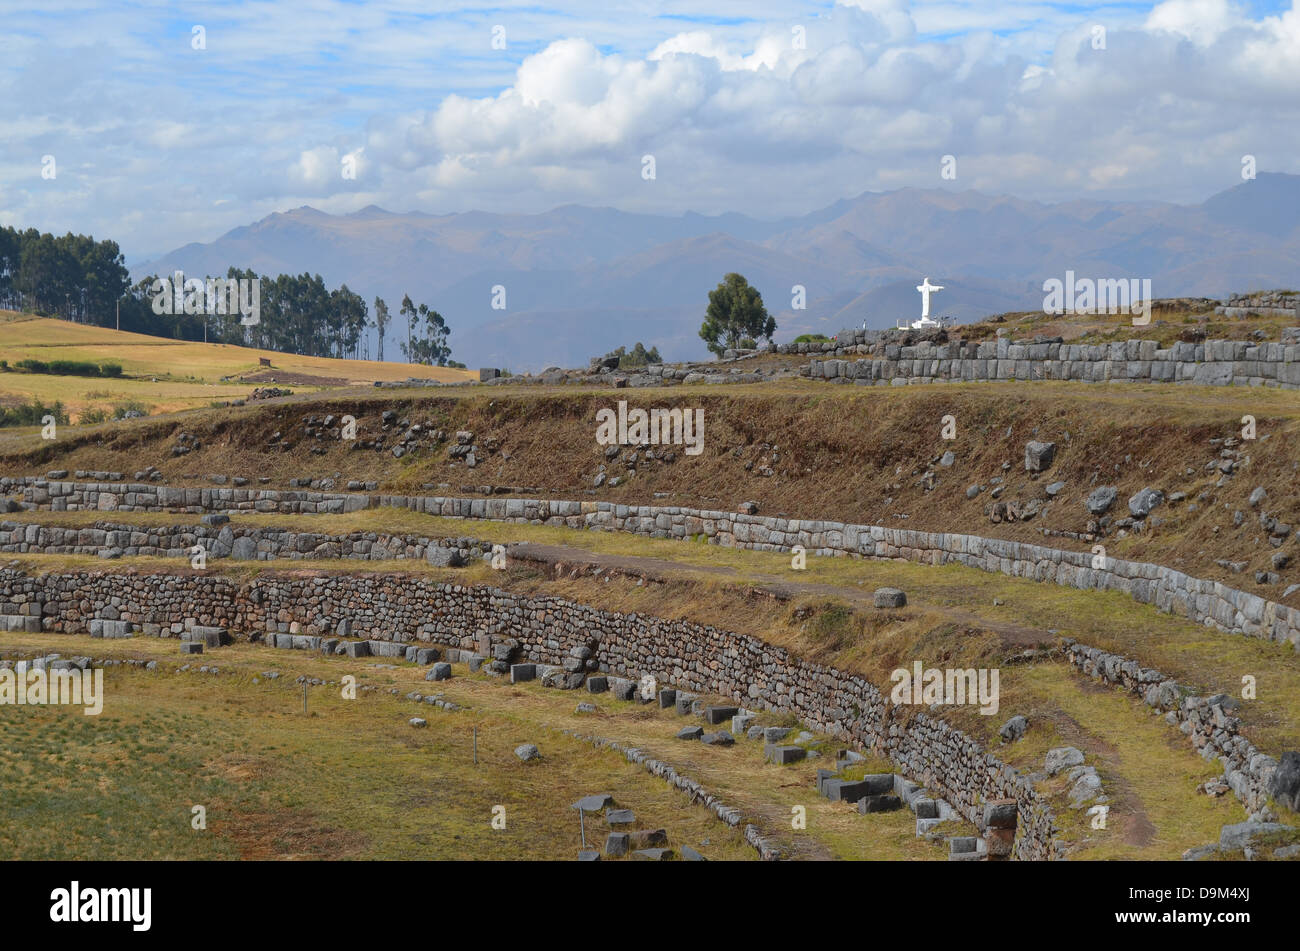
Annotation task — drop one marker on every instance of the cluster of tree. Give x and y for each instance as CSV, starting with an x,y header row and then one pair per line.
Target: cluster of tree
x,y
32,413
296,314
74,277
638,357
80,279
735,316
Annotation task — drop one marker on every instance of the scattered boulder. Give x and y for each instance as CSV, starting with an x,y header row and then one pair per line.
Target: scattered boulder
x,y
1039,456
889,598
1101,499
1063,757
418,721
527,752
1140,505
1013,729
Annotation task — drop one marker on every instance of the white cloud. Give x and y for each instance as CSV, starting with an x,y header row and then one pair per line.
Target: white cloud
x,y
736,115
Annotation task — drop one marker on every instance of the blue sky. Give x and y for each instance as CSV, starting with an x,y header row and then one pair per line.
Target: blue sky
x,y
764,107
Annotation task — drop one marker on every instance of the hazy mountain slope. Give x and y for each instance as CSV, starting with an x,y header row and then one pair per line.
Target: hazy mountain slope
x,y
577,278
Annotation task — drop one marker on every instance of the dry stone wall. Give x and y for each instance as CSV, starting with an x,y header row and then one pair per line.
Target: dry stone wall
x,y
1209,722
1201,600
241,542
542,629
1210,363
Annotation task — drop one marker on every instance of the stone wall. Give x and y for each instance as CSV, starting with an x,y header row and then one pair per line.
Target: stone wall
x,y
1207,721
543,629
1210,363
241,542
1200,600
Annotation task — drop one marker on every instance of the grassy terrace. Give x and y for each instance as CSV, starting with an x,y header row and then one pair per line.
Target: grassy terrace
x,y
1148,767
957,602
352,780
834,452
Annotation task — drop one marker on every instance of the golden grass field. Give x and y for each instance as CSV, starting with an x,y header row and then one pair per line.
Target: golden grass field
x,y
169,375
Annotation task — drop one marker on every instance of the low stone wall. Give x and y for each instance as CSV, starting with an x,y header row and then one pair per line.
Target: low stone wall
x,y
1211,363
114,540
701,658
1201,600
1207,721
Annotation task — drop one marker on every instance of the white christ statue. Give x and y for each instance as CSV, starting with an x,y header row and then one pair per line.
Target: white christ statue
x,y
926,289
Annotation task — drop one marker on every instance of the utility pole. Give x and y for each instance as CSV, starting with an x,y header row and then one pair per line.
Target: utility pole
x,y
119,315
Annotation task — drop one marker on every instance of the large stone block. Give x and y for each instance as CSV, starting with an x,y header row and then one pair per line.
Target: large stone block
x,y
879,803
520,673
715,715
784,755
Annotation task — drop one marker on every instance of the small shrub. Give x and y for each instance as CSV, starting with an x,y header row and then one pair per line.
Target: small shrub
x,y
130,409
31,414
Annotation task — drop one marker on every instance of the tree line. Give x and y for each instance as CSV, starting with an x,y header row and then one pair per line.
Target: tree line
x,y
77,278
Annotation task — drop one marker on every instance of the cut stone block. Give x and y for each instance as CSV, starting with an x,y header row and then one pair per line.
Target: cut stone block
x,y
889,598
440,671
690,733
191,647
715,715
597,684
667,698
519,673
594,803
844,790
784,755
616,843
882,803
357,648
620,817
925,808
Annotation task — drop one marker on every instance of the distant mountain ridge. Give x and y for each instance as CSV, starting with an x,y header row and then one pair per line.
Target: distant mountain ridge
x,y
580,280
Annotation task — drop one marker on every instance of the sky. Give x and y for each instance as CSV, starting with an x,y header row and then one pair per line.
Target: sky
x,y
162,122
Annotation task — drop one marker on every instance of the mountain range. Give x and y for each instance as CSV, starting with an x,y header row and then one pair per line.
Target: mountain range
x,y
580,281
